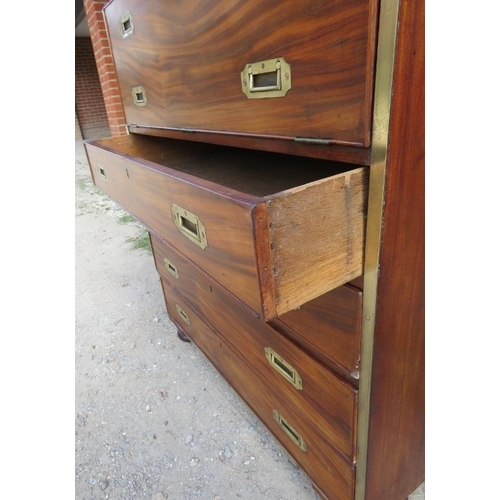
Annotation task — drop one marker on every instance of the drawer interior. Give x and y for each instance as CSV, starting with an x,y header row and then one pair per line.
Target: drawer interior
x,y
256,173
291,228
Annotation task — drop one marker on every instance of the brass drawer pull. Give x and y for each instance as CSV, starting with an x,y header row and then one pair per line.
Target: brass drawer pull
x,y
102,171
290,431
126,24
139,95
190,226
182,314
266,79
285,369
171,268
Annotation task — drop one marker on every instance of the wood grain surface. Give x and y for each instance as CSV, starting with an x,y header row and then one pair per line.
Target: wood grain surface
x,y
396,444
259,212
317,238
330,327
328,402
148,190
330,472
188,56
347,154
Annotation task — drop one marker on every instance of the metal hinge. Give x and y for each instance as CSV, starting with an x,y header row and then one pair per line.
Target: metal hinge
x,y
312,140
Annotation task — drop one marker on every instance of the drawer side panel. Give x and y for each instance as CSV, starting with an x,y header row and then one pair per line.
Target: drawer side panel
x,y
317,237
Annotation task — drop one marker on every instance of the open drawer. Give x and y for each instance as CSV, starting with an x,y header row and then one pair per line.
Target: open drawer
x,y
275,231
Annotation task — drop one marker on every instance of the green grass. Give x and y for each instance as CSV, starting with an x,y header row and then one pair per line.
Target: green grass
x,y
82,183
86,184
141,241
126,219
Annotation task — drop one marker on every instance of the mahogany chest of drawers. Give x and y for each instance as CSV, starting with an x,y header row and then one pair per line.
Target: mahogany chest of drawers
x,y
282,188
186,65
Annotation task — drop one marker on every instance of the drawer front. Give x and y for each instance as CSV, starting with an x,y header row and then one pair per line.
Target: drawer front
x,y
191,65
148,192
329,326
275,238
306,384
312,451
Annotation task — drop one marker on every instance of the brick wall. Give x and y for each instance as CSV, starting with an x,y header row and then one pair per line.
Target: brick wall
x,y
105,66
78,130
89,102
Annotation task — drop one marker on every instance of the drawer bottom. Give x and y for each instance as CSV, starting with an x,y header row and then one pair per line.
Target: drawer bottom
x,y
331,474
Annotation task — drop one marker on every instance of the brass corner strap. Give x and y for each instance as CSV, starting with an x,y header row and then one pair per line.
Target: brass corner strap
x,y
381,113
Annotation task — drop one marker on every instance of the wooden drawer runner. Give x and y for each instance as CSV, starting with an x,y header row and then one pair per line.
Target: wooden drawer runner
x,y
313,452
307,385
183,65
329,327
275,231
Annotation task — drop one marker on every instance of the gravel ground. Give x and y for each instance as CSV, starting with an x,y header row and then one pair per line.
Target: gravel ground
x,y
153,418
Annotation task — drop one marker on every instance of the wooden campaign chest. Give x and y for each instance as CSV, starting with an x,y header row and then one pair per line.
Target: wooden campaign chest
x,y
207,66
275,153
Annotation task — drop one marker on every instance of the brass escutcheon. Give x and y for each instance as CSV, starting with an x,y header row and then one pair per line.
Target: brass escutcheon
x,y
190,226
126,24
139,95
290,431
266,79
285,369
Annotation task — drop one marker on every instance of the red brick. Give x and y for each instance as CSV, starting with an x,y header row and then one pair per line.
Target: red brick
x,y
107,79
114,107
96,26
101,44
114,99
104,59
118,130
109,86
108,68
90,107
116,115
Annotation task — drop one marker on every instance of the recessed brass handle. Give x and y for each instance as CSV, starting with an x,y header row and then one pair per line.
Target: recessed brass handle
x,y
171,268
102,171
266,79
190,226
182,314
290,431
285,369
126,24
139,95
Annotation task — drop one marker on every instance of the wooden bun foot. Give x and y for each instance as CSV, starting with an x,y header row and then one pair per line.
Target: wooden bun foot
x,y
183,336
